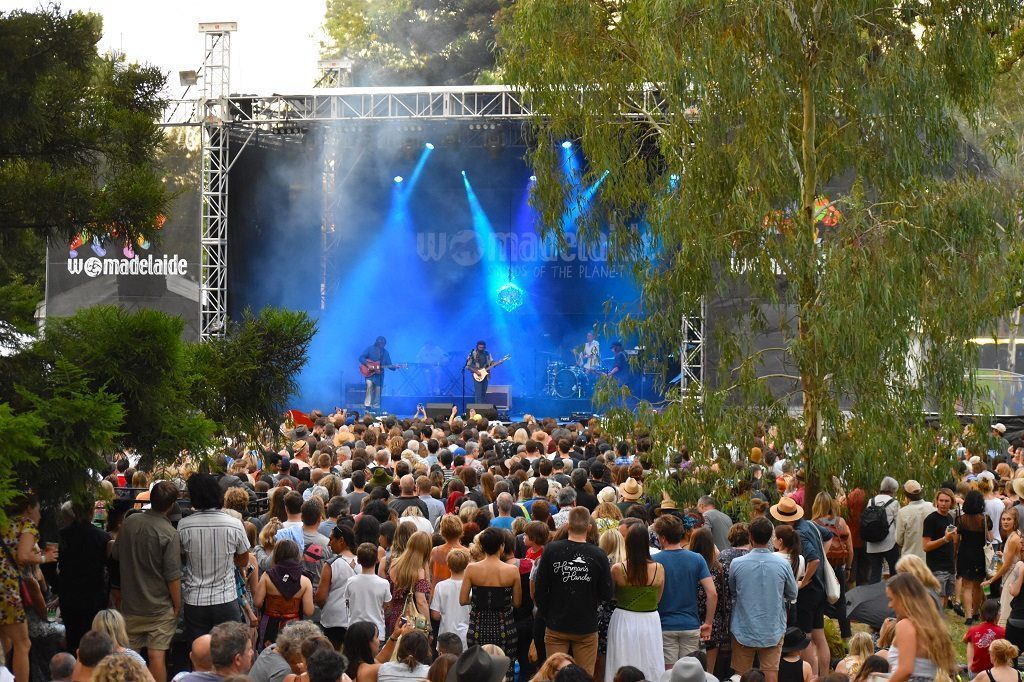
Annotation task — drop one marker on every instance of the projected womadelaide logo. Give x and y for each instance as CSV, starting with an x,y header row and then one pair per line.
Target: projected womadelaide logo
x,y
464,248
130,264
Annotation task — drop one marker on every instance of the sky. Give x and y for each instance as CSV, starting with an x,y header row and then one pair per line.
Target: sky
x,y
275,49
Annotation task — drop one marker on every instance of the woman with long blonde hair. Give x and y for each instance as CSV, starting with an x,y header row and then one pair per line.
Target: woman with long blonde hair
x,y
1009,531
861,647
921,648
112,623
408,574
915,566
614,545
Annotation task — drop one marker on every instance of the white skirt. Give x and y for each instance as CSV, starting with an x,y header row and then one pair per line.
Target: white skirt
x,y
634,638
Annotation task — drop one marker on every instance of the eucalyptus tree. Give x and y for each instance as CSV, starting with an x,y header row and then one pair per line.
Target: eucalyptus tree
x,y
806,159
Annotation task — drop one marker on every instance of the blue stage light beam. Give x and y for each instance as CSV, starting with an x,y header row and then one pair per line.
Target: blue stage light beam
x,y
578,204
571,167
418,169
493,263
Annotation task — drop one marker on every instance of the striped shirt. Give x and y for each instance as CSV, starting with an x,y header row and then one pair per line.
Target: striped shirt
x,y
210,540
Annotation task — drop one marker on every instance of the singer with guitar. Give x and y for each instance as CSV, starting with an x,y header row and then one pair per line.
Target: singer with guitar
x,y
372,363
479,362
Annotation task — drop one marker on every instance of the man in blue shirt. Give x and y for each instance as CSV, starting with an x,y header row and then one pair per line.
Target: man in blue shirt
x,y
810,601
685,571
762,584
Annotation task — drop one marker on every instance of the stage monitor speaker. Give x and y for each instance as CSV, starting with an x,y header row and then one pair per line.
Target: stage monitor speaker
x,y
486,410
437,411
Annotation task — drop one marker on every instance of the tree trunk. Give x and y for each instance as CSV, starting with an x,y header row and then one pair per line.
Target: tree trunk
x,y
807,291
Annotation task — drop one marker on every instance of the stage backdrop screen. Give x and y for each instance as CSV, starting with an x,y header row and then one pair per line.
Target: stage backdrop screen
x,y
423,241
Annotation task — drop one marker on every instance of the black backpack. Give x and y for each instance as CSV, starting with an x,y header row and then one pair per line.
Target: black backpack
x,y
874,522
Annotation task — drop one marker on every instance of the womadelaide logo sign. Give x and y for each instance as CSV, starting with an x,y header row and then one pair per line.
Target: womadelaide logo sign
x,y
98,264
150,265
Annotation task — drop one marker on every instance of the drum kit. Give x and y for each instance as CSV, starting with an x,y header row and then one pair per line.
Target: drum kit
x,y
563,380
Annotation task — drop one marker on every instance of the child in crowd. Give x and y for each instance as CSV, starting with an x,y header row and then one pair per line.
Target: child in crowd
x,y
367,593
535,537
979,637
445,605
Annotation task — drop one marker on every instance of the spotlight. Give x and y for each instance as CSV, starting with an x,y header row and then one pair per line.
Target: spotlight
x,y
567,145
429,146
510,297
463,173
533,178
398,179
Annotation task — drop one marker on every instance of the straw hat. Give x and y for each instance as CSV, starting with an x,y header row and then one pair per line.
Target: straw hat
x,y
667,504
787,510
631,490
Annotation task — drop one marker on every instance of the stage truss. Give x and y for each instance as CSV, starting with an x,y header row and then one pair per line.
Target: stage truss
x,y
222,117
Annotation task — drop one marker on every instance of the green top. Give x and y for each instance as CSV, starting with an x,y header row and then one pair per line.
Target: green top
x,y
640,598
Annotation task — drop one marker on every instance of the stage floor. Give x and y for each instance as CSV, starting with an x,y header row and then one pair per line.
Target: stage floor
x,y
539,406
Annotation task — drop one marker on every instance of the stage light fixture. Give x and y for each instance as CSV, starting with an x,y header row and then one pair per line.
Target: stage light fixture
x,y
463,173
429,146
533,178
567,145
398,179
510,297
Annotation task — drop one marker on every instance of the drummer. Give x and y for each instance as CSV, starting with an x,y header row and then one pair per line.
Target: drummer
x,y
590,357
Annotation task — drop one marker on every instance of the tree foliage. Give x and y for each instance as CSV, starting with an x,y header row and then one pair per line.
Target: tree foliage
x,y
243,379
822,173
139,358
107,379
414,42
78,138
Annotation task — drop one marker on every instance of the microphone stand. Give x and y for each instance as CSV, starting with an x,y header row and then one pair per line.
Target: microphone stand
x,y
468,360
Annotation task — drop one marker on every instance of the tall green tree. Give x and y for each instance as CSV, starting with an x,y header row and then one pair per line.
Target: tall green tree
x,y
78,138
243,379
414,42
810,155
139,358
79,146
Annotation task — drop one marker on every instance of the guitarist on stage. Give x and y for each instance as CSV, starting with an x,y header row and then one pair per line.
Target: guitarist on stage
x,y
373,361
479,359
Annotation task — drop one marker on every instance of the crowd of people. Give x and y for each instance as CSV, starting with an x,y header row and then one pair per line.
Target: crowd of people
x,y
382,550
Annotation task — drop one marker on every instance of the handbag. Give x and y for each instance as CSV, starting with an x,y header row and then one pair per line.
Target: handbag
x,y
28,602
412,615
832,588
991,564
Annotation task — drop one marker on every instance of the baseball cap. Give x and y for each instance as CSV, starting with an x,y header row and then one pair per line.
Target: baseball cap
x,y
912,487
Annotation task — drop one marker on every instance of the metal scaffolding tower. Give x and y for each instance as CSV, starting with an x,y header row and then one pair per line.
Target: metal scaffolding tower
x,y
691,357
216,117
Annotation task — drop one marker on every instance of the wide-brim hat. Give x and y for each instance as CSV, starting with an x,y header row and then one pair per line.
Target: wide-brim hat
x,y
667,503
631,490
381,477
1018,486
795,640
476,665
787,510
